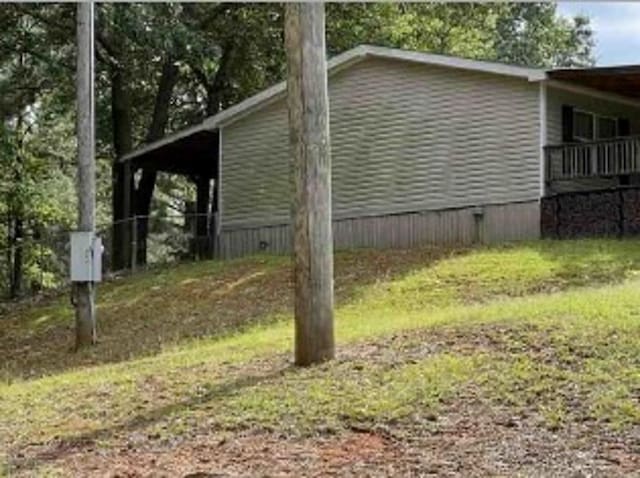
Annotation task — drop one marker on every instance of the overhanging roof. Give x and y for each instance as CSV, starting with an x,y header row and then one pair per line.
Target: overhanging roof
x,y
148,148
621,80
191,152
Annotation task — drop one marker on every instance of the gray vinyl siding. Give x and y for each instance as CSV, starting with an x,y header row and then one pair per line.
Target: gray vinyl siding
x,y
404,137
558,97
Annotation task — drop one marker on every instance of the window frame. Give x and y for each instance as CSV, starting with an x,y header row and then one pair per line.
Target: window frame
x,y
595,117
582,139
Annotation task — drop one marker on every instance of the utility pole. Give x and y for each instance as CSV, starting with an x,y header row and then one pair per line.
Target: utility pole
x,y
84,292
308,102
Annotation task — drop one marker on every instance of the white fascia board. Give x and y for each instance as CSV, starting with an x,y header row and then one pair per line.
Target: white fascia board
x,y
531,74
263,98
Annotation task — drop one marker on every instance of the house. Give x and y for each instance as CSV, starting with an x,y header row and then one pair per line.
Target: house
x,y
425,148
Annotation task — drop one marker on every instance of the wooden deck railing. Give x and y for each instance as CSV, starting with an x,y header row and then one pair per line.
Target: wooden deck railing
x,y
592,159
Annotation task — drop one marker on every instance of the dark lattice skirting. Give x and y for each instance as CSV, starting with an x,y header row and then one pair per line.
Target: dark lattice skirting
x,y
613,212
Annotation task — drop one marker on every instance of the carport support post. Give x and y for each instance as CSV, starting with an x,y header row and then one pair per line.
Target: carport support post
x,y
213,220
203,201
311,173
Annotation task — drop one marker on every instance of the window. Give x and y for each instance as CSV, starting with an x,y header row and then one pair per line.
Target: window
x,y
607,127
583,125
588,126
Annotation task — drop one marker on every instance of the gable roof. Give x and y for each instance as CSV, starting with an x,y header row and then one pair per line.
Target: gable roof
x,y
362,52
338,63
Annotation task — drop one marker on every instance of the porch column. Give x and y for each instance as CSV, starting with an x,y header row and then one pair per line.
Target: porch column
x,y
203,202
213,218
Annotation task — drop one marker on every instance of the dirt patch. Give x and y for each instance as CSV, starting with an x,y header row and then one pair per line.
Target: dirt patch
x,y
244,454
467,441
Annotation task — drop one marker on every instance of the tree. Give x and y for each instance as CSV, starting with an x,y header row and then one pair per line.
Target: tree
x,y
308,102
34,92
84,292
532,34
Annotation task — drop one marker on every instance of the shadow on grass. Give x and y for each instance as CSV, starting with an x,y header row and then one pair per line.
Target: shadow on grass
x,y
142,315
66,445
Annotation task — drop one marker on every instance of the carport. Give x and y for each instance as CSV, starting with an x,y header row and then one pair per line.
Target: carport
x,y
193,153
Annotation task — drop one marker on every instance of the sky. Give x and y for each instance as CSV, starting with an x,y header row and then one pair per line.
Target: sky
x,y
616,26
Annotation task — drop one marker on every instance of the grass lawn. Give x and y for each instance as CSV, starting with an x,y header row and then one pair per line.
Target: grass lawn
x,y
519,360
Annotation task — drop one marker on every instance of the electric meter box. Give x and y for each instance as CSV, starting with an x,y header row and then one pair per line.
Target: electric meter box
x,y
86,257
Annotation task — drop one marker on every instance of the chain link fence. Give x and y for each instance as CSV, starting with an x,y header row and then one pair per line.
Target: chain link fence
x,y
38,265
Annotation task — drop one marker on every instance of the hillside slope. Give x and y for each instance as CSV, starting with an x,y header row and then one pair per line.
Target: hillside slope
x,y
520,359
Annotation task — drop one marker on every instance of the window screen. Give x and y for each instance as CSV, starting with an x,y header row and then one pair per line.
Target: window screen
x,y
606,128
582,126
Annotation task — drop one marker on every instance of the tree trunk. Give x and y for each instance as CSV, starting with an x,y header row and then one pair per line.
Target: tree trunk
x,y
9,254
84,291
18,254
309,135
122,181
14,253
147,183
219,83
16,226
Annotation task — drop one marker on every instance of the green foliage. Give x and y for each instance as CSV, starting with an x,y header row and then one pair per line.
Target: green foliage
x,y
36,188
532,34
36,140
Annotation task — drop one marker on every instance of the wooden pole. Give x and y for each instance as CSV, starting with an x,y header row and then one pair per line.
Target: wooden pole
x,y
86,175
308,102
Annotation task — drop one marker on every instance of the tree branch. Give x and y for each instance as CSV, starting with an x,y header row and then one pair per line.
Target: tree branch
x,y
111,54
